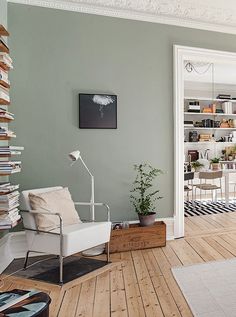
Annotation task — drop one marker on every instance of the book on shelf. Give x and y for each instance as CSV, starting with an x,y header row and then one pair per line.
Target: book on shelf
x,y
9,219
4,93
9,196
6,60
6,114
5,133
10,298
227,107
3,45
8,189
4,78
10,150
10,171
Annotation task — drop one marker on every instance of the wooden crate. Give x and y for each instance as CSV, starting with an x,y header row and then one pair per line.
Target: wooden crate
x,y
136,237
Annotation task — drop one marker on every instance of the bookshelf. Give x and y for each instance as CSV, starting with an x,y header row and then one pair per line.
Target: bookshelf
x,y
9,195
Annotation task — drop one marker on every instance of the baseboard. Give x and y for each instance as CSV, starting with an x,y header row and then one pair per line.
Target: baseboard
x,y
13,245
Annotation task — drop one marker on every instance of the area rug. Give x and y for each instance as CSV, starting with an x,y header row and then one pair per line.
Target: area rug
x,y
201,208
48,270
209,288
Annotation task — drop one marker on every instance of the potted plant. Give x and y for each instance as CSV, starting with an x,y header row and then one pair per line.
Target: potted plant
x,y
197,166
215,164
144,196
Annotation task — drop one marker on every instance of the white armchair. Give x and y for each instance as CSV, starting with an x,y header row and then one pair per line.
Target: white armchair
x,y
65,240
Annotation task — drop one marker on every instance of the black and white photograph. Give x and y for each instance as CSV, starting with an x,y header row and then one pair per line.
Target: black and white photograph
x,y
97,111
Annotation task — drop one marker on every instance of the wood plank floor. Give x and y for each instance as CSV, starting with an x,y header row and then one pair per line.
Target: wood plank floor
x,y
141,283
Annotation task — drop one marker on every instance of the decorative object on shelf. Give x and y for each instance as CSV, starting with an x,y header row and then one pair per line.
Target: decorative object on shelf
x,y
193,136
215,164
143,197
197,166
97,111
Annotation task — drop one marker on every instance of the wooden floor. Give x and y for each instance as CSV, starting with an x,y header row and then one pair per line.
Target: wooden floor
x,y
141,283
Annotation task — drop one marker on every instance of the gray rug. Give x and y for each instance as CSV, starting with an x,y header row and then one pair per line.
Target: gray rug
x,y
48,270
209,288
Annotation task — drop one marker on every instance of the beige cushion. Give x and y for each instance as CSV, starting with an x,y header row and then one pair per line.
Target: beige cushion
x,y
59,201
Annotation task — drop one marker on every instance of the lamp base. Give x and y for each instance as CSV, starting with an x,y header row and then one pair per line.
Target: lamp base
x,y
94,251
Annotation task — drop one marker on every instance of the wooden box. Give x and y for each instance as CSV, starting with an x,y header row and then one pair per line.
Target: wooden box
x,y
136,237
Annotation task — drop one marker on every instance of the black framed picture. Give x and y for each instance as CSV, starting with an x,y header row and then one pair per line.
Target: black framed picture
x,y
97,111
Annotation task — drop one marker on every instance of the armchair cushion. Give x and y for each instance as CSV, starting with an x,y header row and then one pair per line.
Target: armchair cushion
x,y
58,201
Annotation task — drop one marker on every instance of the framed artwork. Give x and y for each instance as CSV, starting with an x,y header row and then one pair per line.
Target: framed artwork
x,y
97,111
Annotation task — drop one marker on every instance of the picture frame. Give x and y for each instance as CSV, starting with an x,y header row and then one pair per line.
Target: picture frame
x,y
97,111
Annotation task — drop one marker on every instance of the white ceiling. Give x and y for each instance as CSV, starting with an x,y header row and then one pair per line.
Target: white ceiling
x,y
215,15
223,74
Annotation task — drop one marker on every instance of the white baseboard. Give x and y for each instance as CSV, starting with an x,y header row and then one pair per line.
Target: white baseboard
x,y
13,245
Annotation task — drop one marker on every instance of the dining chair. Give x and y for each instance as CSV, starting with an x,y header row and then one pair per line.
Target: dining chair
x,y
205,185
188,177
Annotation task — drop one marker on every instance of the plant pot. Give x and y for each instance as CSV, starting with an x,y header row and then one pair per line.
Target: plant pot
x,y
215,166
147,220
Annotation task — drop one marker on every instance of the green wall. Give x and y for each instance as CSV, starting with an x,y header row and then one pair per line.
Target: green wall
x,y
3,12
58,54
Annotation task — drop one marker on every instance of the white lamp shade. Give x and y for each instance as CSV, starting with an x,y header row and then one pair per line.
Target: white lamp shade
x,y
75,155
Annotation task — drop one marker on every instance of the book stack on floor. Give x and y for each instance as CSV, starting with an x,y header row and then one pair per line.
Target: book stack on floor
x,y
6,115
6,133
9,206
7,151
4,81
9,194
4,95
5,61
9,167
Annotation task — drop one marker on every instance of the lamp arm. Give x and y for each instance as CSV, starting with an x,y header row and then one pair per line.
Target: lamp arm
x,y
86,167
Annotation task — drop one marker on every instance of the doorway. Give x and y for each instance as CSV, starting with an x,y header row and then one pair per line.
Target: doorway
x,y
207,57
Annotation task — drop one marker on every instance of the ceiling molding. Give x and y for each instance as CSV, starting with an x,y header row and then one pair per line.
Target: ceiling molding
x,y
198,14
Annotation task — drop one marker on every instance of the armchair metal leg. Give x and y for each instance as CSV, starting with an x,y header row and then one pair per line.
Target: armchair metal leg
x,y
26,259
61,269
108,252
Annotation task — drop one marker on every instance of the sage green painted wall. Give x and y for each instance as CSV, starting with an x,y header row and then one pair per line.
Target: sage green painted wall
x,y
3,12
3,21
58,54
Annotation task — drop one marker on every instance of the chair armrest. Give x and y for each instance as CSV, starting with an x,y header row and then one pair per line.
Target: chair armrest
x,y
95,204
31,212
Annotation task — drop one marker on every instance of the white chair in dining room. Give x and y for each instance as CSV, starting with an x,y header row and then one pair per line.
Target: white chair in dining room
x,y
64,240
206,184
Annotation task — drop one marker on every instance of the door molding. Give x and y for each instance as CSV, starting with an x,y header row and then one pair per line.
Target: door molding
x,y
180,54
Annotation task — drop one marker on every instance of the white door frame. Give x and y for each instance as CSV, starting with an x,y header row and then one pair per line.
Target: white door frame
x,y
182,53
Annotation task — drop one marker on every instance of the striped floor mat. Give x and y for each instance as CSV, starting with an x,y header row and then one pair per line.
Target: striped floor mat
x,y
197,208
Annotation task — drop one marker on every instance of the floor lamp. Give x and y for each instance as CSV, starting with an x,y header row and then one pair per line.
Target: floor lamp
x,y
75,156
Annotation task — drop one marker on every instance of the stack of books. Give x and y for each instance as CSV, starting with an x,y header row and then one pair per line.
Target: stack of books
x,y
4,114
227,107
6,151
3,45
4,94
6,61
9,167
194,106
4,81
9,205
223,96
5,133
